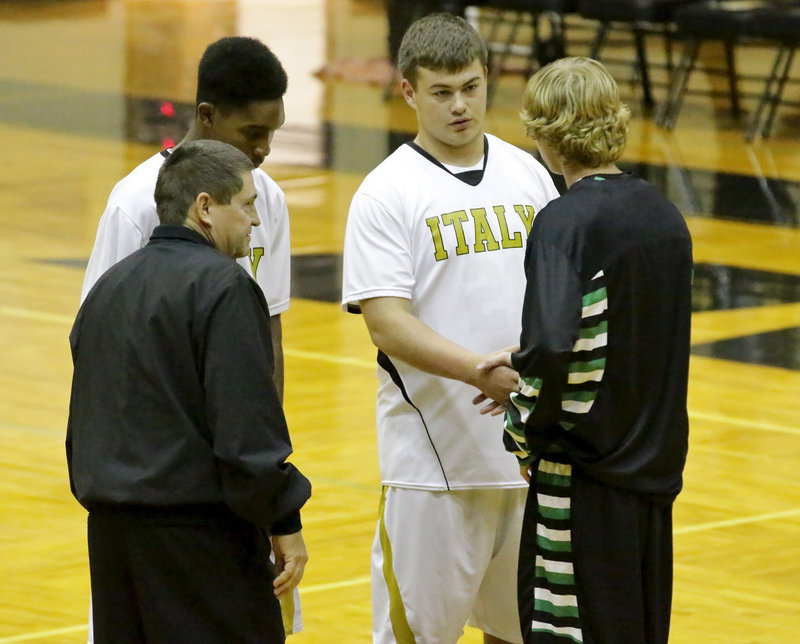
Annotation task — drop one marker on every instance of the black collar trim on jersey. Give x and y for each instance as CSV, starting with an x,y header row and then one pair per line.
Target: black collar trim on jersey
x,y
470,177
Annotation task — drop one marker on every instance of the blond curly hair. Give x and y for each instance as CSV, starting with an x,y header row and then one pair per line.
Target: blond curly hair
x,y
573,105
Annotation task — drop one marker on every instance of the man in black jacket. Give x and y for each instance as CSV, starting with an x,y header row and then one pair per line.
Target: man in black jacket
x,y
176,441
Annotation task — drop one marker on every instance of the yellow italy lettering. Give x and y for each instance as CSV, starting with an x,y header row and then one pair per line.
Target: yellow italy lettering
x,y
456,220
526,215
484,238
439,253
509,241
255,258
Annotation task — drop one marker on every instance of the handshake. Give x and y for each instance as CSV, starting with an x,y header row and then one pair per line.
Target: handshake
x,y
496,379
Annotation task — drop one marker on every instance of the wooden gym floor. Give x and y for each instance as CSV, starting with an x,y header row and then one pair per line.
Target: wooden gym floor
x,y
82,88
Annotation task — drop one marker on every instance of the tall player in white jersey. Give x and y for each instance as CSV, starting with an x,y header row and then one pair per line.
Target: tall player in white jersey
x,y
433,259
240,88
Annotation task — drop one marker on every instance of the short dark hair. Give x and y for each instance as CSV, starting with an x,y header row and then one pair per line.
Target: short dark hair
x,y
441,42
235,71
198,166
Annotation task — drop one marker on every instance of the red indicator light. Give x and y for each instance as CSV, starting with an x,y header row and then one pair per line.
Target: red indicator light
x,y
167,109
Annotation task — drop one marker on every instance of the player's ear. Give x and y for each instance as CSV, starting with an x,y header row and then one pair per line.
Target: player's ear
x,y
206,114
407,90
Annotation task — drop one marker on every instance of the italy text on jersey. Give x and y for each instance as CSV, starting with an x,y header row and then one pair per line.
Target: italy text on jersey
x,y
485,238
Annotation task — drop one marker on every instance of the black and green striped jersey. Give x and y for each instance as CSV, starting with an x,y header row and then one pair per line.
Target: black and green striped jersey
x,y
604,350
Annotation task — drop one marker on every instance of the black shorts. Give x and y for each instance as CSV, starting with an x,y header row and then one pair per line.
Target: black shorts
x,y
595,562
179,576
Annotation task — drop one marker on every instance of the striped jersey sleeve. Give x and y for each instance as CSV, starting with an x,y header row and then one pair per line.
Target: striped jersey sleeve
x,y
563,352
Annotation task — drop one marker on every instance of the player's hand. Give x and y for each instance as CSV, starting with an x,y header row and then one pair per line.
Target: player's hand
x,y
493,407
497,383
290,561
496,379
501,358
525,471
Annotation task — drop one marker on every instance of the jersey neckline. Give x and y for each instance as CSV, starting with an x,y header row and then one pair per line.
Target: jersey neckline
x,y
470,177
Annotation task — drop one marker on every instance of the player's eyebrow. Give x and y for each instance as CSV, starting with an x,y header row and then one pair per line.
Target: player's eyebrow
x,y
448,86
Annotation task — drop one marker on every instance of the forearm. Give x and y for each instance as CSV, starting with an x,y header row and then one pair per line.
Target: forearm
x,y
401,335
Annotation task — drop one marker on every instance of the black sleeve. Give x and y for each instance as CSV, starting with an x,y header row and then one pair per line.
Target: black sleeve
x,y
248,429
551,318
73,345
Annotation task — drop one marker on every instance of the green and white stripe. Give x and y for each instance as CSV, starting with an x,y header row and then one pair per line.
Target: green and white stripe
x,y
574,634
524,402
555,601
553,540
580,372
530,387
554,473
595,302
585,373
592,338
553,507
556,572
559,605
577,402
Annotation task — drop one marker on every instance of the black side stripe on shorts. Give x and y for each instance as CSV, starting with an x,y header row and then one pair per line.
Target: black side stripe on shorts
x,y
386,364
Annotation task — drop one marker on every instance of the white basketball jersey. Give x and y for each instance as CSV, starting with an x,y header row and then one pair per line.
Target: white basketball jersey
x,y
130,217
455,251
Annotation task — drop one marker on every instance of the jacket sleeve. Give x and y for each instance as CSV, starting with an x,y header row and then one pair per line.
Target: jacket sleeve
x,y
551,317
248,429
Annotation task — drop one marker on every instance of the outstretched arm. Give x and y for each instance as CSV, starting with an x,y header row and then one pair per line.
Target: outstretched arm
x,y
400,334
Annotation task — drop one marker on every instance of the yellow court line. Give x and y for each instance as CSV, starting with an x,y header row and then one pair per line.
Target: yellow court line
x,y
27,637
368,364
57,318
702,527
38,316
358,581
730,420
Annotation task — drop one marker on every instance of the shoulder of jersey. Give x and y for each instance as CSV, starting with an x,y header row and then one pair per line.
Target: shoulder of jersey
x,y
261,177
397,168
267,188
509,148
523,156
139,181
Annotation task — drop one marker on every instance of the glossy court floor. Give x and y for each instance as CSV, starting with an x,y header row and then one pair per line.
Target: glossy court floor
x,y
89,89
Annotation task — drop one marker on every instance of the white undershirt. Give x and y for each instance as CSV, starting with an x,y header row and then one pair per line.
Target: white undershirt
x,y
457,169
